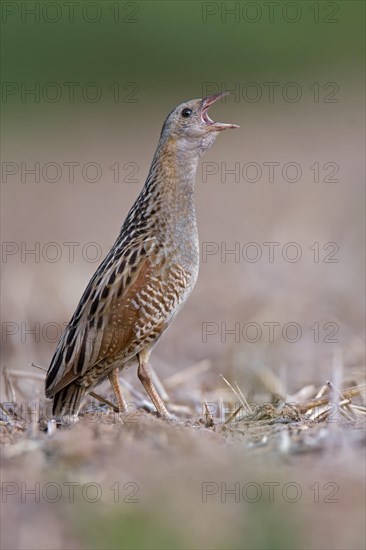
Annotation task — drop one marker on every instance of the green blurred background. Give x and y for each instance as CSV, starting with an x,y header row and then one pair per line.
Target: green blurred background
x,y
172,47
160,54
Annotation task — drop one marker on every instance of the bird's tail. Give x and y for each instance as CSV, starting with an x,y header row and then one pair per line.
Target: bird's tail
x,y
68,400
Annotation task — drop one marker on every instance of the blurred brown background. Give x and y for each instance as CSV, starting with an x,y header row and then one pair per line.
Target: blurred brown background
x,y
304,144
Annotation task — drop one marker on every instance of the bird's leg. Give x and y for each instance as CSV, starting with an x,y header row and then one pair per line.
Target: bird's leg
x,y
114,380
144,375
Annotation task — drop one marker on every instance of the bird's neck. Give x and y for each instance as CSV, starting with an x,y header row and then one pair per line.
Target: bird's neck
x,y
165,207
170,183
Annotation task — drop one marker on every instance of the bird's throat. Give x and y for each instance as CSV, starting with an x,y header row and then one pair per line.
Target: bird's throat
x,y
175,172
171,181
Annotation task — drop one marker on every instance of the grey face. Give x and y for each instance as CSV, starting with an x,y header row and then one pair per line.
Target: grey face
x,y
190,126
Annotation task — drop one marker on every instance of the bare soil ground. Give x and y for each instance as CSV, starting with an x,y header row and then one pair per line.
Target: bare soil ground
x,y
266,475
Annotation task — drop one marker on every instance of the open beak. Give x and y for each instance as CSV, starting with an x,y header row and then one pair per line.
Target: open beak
x,y
206,103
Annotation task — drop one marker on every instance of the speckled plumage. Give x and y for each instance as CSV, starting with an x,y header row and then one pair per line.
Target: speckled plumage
x,y
147,275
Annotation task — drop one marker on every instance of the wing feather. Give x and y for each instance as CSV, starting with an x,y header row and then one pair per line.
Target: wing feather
x,y
102,322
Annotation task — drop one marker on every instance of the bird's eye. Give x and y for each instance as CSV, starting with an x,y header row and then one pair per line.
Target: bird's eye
x,y
186,112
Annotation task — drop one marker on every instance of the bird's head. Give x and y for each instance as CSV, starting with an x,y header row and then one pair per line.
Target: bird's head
x,y
190,127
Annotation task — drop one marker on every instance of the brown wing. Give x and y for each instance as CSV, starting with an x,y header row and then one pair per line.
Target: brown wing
x,y
107,323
